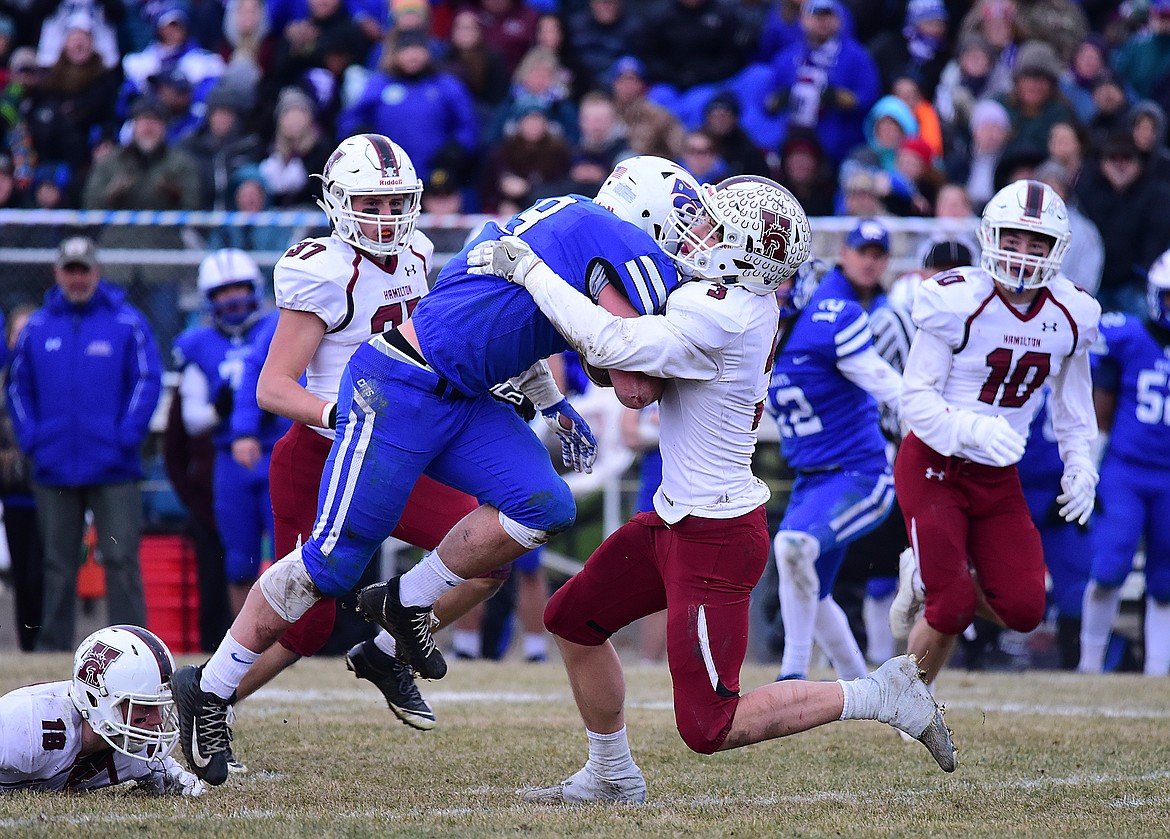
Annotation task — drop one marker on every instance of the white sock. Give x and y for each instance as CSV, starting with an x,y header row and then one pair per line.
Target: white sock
x,y
226,667
535,645
1157,638
385,642
879,638
835,637
610,755
467,642
426,582
798,611
863,699
1099,611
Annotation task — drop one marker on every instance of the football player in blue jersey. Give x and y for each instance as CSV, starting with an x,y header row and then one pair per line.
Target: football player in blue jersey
x,y
1131,390
1068,550
210,360
824,394
416,400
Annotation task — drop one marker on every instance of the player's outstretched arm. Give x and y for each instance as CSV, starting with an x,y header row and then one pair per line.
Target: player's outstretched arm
x,y
298,334
649,344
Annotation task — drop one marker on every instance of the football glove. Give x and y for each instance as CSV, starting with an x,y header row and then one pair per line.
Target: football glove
x,y
996,438
578,445
509,257
225,399
1079,494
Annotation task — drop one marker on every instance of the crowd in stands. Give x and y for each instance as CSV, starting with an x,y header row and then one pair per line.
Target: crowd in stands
x,y
859,106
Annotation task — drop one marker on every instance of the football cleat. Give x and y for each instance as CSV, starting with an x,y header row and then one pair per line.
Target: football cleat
x,y
410,626
909,706
396,682
204,733
910,597
586,787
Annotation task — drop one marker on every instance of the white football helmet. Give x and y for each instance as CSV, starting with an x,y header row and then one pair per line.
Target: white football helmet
x,y
119,673
371,164
647,191
1157,290
224,268
1030,206
759,236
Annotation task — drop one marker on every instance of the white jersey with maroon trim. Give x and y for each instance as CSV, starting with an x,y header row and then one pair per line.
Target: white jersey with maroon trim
x,y
708,424
40,742
355,297
1000,357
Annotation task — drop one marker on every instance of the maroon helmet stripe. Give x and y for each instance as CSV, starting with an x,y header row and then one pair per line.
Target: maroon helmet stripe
x,y
385,153
1035,200
154,645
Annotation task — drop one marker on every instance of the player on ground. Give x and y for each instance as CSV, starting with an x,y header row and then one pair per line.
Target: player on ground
x,y
112,722
824,394
417,400
987,339
704,547
1131,371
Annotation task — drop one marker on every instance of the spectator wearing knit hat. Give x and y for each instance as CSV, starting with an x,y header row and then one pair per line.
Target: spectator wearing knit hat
x,y
919,49
171,54
738,150
1035,103
299,148
965,80
221,145
974,164
1143,61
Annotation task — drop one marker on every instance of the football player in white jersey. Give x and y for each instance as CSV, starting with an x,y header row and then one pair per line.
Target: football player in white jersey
x,y
112,722
987,339
703,548
333,293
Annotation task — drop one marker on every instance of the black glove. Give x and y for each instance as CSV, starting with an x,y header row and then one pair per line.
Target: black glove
x,y
225,397
515,398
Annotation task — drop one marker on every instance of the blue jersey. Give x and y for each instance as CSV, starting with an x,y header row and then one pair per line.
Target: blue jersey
x,y
1041,466
1129,361
248,420
834,285
220,357
477,330
826,421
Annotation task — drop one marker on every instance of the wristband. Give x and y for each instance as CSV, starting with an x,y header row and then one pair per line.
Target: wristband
x,y
329,415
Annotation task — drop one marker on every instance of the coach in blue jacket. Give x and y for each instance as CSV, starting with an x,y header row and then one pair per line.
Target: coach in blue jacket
x,y
85,379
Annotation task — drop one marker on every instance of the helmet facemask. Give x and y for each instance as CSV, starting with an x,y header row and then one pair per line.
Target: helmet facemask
x,y
752,233
394,230
121,687
652,193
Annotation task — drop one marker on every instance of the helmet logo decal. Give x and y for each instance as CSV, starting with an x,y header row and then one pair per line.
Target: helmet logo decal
x,y
774,239
685,199
97,658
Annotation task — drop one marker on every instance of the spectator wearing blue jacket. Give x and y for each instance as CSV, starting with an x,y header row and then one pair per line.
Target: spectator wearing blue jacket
x,y
424,110
826,82
84,382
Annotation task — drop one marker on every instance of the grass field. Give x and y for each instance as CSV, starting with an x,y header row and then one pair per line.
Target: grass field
x,y
1041,754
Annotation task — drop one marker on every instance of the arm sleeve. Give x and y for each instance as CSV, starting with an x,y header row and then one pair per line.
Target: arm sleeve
x,y
942,427
1073,419
648,344
873,374
198,411
537,384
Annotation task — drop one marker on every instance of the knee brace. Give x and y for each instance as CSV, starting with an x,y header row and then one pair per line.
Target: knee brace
x,y
288,588
796,557
528,537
